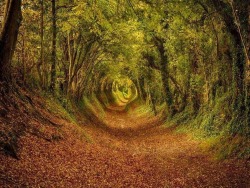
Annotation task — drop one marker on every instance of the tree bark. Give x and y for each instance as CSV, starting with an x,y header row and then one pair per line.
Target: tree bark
x,y
12,21
165,74
238,27
41,66
53,63
247,97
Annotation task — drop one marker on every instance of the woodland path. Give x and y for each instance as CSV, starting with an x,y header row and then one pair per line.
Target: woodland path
x,y
156,157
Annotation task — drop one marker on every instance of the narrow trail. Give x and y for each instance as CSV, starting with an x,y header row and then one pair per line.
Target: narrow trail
x,y
176,159
154,157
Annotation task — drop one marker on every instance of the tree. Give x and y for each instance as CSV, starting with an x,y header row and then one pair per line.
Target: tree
x,y
239,31
164,64
12,21
53,54
41,63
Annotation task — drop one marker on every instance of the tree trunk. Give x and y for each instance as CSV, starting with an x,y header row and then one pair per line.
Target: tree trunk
x,y
165,74
12,20
247,99
41,65
186,94
237,31
137,83
53,63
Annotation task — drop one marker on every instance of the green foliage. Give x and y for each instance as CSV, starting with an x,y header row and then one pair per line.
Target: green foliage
x,y
93,107
185,51
59,108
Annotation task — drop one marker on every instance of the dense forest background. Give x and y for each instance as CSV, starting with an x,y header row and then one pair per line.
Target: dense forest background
x,y
188,58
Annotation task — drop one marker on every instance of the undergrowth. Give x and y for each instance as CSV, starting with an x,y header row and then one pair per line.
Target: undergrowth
x,y
91,105
66,109
61,107
213,127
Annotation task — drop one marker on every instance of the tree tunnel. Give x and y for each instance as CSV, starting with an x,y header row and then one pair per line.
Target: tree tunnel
x,y
117,93
120,101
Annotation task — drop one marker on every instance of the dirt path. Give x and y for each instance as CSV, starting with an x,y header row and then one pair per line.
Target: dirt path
x,y
176,159
155,157
181,162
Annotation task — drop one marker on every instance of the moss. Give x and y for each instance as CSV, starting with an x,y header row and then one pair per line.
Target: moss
x,y
92,105
217,127
143,110
56,107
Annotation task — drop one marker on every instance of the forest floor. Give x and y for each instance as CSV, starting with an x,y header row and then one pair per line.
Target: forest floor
x,y
90,156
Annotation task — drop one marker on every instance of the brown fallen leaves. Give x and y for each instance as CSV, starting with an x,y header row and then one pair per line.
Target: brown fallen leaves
x,y
72,163
154,157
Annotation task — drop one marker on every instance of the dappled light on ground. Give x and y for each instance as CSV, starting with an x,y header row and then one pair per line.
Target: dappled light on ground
x,y
115,115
